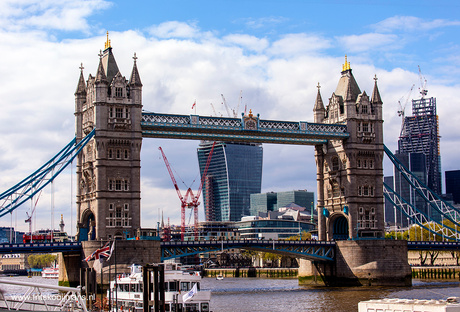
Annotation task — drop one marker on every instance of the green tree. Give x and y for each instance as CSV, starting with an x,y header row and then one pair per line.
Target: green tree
x,y
41,261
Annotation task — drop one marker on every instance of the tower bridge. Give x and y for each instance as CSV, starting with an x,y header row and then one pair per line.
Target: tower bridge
x,y
347,135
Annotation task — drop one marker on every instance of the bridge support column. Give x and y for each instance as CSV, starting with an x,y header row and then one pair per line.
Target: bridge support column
x,y
69,268
361,263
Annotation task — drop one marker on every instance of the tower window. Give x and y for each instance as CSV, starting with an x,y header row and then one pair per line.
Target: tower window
x,y
110,112
110,153
119,112
118,92
364,109
335,163
365,127
126,154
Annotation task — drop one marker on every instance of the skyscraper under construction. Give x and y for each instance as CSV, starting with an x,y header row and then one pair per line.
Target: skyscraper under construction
x,y
420,134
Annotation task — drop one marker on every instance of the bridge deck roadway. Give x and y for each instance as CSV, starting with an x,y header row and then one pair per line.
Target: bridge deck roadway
x,y
194,127
312,250
39,247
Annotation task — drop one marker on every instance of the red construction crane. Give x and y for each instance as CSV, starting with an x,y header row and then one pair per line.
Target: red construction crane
x,y
189,200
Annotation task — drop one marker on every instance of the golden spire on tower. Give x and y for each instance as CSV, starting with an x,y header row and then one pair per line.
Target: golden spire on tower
x,y
346,66
107,43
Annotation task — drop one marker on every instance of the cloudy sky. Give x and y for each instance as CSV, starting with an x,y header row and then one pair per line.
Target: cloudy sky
x,y
272,52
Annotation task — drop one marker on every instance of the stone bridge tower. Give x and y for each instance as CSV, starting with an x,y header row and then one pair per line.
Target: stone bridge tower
x,y
350,194
350,172
108,168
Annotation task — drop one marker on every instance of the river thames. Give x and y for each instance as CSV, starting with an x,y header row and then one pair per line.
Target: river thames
x,y
265,294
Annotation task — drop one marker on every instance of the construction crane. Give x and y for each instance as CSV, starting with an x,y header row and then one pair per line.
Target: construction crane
x,y
402,108
422,88
190,200
224,102
29,218
234,111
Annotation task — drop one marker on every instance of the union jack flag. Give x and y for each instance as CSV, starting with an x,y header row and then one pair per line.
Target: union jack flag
x,y
100,253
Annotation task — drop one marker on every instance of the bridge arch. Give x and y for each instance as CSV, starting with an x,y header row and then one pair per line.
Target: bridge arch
x,y
87,227
338,227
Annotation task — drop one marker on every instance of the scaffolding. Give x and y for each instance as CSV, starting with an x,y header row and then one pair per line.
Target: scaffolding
x,y
420,134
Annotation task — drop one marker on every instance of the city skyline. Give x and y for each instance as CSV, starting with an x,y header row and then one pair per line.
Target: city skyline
x,y
192,53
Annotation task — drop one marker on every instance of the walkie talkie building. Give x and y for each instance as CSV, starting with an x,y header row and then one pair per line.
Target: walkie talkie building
x,y
235,172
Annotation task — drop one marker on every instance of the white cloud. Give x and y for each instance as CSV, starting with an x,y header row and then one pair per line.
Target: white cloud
x,y
257,23
247,42
174,29
298,44
369,42
412,24
66,15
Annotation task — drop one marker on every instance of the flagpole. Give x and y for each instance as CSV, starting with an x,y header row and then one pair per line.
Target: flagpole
x,y
116,277
110,289
102,284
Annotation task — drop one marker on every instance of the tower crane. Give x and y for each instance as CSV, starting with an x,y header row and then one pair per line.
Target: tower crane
x,y
29,218
422,88
189,200
225,104
234,111
402,108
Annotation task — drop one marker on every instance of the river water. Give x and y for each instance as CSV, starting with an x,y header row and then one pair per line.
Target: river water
x,y
264,294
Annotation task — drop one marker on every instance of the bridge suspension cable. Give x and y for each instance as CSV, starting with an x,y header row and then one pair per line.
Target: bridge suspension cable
x,y
34,183
433,200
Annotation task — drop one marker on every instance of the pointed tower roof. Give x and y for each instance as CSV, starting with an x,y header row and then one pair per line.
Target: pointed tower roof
x,y
108,61
135,79
100,75
81,87
376,99
347,87
319,101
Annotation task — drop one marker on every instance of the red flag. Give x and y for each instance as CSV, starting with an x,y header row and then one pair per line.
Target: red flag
x,y
194,103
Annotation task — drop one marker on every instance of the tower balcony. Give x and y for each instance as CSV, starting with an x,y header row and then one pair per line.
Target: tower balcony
x,y
119,123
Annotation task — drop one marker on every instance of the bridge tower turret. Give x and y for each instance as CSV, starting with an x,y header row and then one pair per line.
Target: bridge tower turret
x,y
350,172
108,168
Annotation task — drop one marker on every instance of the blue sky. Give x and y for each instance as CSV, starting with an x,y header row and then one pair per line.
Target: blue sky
x,y
274,52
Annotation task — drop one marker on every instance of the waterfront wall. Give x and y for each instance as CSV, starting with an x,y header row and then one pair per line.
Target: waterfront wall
x,y
252,272
359,263
430,273
74,271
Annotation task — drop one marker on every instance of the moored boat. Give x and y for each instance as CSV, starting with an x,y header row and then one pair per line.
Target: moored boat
x,y
394,305
182,291
51,272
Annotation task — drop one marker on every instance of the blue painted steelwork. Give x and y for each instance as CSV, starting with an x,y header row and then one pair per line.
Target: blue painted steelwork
x,y
312,250
246,129
432,199
40,247
34,183
418,217
423,245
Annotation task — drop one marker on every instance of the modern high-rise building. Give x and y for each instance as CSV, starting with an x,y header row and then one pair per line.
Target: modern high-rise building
x,y
418,150
235,172
420,134
453,185
273,201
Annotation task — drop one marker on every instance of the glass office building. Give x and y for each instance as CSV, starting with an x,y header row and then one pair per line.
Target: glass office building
x,y
235,172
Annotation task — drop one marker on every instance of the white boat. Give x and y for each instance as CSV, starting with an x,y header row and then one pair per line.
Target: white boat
x,y
397,305
219,277
51,272
126,292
